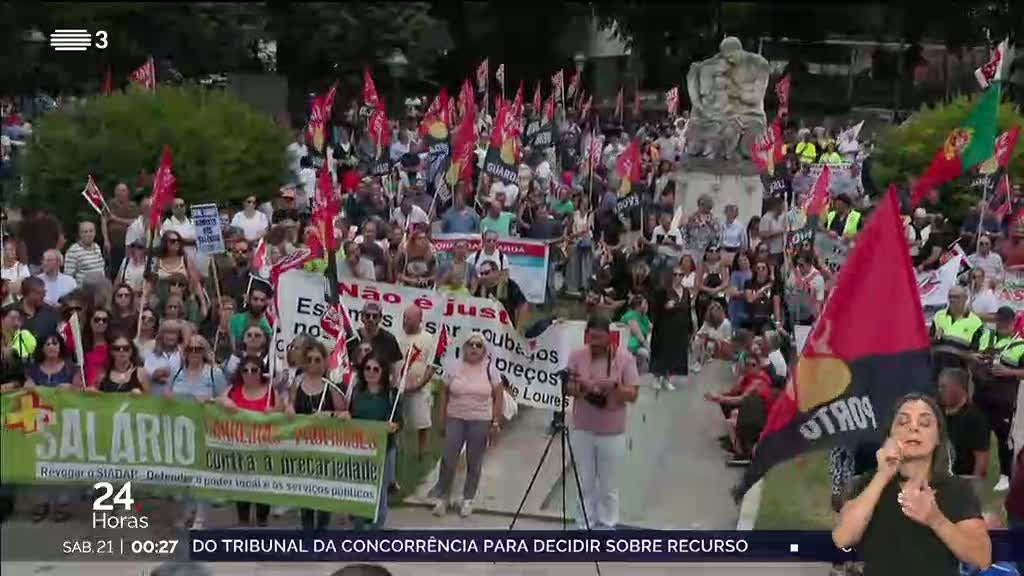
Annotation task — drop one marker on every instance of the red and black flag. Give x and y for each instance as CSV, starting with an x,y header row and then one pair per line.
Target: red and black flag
x,y
859,358
502,159
442,347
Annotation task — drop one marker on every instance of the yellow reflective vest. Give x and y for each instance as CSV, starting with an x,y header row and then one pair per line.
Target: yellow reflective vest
x,y
849,227
963,334
807,152
1010,348
831,158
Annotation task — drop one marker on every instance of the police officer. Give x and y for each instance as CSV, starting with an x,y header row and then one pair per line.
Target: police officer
x,y
956,333
841,220
998,372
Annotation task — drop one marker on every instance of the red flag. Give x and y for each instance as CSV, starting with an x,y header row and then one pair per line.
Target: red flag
x,y
618,105
1007,205
782,93
300,257
369,90
441,349
549,108
817,202
517,101
336,323
259,256
672,101
319,114
437,112
145,75
462,156
467,102
325,208
94,197
994,69
108,87
586,107
627,167
860,358
379,132
1004,146
164,190
537,102
766,149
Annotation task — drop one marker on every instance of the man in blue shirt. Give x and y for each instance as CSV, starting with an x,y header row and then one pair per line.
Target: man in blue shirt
x,y
460,218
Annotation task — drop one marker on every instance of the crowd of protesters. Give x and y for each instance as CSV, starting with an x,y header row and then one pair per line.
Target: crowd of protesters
x,y
689,289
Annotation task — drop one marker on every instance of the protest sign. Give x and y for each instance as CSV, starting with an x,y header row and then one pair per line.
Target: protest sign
x,y
798,237
69,437
1011,293
625,205
527,260
832,251
531,365
209,237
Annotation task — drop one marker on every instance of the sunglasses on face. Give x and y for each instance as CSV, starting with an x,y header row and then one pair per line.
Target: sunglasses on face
x,y
195,349
372,369
121,348
100,319
250,370
475,344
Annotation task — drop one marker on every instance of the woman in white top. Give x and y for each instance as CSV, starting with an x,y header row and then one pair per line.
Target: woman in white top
x,y
581,235
981,298
13,270
252,222
133,267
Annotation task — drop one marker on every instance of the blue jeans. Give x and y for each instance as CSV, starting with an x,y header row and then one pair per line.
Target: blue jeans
x,y
382,501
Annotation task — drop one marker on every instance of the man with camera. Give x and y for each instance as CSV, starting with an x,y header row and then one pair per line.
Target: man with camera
x,y
603,379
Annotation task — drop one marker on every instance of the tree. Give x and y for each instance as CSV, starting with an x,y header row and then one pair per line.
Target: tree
x,y
223,150
905,151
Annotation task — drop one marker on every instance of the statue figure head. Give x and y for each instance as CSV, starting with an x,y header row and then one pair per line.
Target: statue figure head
x,y
731,48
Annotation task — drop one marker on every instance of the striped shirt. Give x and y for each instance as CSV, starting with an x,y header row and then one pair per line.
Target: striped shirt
x,y
83,263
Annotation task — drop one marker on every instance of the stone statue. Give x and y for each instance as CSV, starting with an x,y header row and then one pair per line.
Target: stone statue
x,y
727,98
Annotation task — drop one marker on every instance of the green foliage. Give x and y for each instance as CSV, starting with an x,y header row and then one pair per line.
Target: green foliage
x,y
905,151
222,149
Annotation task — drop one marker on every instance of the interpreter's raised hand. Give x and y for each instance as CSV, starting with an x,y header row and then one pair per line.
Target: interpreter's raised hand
x,y
917,500
889,457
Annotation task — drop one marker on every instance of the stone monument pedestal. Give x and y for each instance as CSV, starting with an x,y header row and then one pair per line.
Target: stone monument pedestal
x,y
726,182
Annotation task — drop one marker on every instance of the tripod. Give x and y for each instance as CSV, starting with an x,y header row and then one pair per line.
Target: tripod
x,y
558,429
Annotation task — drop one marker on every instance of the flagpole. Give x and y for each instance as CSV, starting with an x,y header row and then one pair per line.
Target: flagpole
x,y
981,211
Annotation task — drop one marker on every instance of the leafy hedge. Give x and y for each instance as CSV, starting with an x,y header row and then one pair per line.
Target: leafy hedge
x,y
907,149
222,149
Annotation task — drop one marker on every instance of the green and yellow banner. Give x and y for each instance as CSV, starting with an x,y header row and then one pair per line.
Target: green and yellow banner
x,y
54,436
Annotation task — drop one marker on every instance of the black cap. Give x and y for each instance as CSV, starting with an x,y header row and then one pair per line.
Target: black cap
x,y
1005,314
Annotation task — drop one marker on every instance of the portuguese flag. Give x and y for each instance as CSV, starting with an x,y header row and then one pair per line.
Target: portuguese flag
x,y
968,145
869,347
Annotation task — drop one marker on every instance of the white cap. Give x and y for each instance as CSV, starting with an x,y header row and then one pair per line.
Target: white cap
x,y
920,213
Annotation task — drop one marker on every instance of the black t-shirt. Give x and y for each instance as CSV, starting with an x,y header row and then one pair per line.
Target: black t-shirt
x,y
762,307
384,344
44,323
894,544
969,433
511,297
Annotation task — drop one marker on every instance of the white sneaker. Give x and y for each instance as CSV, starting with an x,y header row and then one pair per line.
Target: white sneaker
x,y
669,385
440,508
656,384
466,509
696,367
1003,485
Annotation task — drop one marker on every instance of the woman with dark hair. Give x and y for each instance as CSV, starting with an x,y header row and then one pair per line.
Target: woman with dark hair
x,y
171,261
146,332
764,304
740,273
251,391
711,282
52,368
94,344
194,306
254,344
313,393
373,398
670,337
754,234
123,373
124,312
912,515
416,265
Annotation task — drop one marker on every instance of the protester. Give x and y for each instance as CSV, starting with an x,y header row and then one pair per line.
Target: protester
x,y
804,292
417,397
254,314
122,372
38,316
354,266
13,270
164,361
194,306
981,298
147,332
746,407
384,344
41,232
471,407
94,344
57,284
497,220
987,260
956,332
416,265
313,393
712,283
639,324
773,231
122,212
603,381
52,368
133,267
734,233
842,221
374,398
763,301
253,223
460,218
967,427
713,338
703,229
740,273
251,391
124,311
171,261
670,337
17,348
253,344
998,370
913,488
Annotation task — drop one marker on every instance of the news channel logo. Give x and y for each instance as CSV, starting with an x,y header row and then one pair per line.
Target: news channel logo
x,y
77,40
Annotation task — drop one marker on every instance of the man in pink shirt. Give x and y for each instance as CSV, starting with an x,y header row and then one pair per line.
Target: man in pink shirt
x,y
603,380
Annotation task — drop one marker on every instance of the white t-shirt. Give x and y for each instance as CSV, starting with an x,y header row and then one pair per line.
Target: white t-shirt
x,y
307,190
416,216
671,237
183,227
721,334
771,224
778,362
57,287
985,302
479,258
295,153
254,228
15,273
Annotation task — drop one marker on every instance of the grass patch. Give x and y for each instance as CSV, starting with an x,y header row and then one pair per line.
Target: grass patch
x,y
797,494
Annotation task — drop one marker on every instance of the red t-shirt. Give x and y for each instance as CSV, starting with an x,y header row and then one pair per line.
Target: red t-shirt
x,y
258,405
